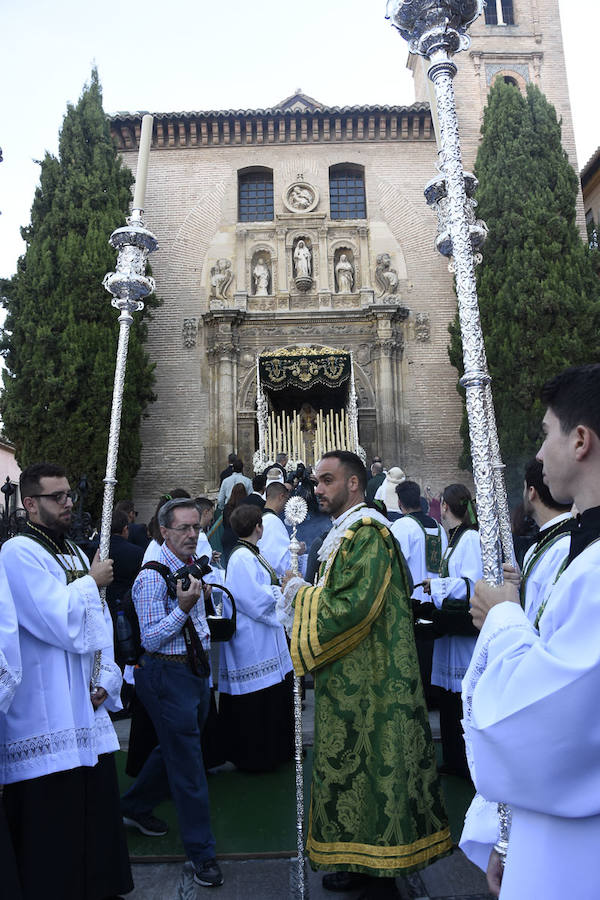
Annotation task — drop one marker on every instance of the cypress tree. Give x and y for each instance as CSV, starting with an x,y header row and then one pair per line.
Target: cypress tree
x,y
61,332
539,295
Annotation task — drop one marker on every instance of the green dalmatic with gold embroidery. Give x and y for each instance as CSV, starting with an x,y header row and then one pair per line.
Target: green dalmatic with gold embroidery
x,y
376,804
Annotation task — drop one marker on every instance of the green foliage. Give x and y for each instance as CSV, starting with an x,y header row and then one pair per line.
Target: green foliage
x,y
539,294
61,332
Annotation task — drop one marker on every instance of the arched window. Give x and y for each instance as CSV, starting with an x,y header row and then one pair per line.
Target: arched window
x,y
508,79
255,195
499,12
347,192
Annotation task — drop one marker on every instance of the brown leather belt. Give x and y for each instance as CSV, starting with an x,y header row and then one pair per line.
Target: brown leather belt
x,y
180,658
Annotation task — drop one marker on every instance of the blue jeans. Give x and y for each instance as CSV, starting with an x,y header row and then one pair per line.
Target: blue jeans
x,y
177,702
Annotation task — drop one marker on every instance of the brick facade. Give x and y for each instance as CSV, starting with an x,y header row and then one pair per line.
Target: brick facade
x,y
205,346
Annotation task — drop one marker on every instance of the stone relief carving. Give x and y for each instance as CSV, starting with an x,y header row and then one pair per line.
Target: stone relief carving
x,y
190,332
301,197
344,275
422,327
261,277
302,256
221,277
385,276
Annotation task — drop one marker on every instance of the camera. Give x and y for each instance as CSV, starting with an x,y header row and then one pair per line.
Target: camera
x,y
197,569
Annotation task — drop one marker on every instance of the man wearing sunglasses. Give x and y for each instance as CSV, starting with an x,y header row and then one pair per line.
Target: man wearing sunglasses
x,y
57,740
172,683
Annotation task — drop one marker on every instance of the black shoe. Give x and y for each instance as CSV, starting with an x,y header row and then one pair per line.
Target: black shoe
x,y
344,881
147,824
208,874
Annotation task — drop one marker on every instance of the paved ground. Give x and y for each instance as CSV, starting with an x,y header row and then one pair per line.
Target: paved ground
x,y
454,878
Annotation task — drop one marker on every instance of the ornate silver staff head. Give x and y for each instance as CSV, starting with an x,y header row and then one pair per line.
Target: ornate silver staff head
x,y
431,25
296,510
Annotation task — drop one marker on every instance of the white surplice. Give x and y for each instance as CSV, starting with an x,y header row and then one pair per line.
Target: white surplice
x,y
275,543
51,725
533,738
257,656
10,654
480,831
452,653
409,535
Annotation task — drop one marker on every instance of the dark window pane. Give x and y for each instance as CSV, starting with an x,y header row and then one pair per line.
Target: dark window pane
x,y
347,194
255,197
507,12
491,16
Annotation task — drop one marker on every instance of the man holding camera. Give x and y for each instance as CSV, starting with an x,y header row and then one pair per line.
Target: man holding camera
x,y
172,683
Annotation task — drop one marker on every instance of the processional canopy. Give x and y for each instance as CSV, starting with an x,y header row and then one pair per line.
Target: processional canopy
x,y
306,404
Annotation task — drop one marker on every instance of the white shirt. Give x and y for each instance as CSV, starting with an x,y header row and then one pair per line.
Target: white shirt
x,y
275,543
409,535
533,738
51,725
257,656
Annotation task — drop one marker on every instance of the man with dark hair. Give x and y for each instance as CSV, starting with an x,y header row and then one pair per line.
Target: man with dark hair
x,y
175,636
376,480
422,540
274,543
244,519
256,498
227,471
138,533
127,560
227,485
376,805
529,695
57,740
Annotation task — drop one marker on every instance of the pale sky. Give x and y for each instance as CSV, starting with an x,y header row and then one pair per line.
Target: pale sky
x,y
188,55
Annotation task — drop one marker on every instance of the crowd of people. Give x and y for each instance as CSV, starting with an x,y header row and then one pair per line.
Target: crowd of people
x,y
389,613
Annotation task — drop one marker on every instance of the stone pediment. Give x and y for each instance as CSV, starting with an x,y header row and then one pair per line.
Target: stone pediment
x,y
299,102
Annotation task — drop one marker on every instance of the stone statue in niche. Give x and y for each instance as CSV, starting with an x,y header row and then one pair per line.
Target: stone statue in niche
x,y
386,277
221,277
302,260
344,272
261,277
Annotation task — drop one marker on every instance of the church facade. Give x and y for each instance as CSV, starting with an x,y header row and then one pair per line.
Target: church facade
x,y
306,226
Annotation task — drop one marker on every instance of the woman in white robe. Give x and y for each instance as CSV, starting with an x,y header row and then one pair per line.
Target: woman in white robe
x,y
255,673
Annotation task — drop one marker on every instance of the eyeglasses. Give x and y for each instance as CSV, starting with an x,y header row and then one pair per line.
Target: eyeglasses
x,y
182,529
59,497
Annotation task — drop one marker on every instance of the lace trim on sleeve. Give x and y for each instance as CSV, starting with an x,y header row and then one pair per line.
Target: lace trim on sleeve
x,y
95,630
110,679
10,678
476,669
284,609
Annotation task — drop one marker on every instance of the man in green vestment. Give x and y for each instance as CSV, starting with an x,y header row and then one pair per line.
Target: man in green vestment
x,y
376,807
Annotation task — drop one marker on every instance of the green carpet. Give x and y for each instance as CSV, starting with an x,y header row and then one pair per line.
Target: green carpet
x,y
256,814
250,814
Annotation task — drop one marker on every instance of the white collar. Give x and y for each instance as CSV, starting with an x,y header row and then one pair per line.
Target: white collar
x,y
551,522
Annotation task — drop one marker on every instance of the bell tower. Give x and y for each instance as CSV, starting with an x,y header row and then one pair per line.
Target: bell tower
x,y
519,41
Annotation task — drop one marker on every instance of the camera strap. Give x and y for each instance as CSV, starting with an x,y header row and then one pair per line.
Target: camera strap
x,y
196,654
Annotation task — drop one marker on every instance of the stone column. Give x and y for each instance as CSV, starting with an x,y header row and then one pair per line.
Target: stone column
x,y
282,281
223,355
387,350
